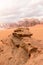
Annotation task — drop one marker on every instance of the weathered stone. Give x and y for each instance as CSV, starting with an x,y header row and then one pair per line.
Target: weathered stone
x,y
22,32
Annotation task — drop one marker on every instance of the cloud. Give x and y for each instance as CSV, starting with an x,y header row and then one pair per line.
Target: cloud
x,y
13,10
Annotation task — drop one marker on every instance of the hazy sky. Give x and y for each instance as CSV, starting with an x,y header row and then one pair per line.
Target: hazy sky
x,y
13,10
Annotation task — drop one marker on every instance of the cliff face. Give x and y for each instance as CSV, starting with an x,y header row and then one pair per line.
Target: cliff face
x,y
19,48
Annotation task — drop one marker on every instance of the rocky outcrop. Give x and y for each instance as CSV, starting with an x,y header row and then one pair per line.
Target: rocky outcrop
x,y
19,48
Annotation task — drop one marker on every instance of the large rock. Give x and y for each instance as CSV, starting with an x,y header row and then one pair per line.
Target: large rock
x,y
19,48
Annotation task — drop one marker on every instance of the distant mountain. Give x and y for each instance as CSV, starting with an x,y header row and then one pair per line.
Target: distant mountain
x,y
21,23
41,21
28,22
8,25
3,25
13,25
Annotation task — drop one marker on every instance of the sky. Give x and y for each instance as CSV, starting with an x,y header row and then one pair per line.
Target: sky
x,y
14,10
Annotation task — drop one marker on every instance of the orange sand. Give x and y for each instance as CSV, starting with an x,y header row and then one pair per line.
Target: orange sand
x,y
37,31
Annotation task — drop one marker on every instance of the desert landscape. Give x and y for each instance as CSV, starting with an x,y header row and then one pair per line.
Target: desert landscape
x,y
22,44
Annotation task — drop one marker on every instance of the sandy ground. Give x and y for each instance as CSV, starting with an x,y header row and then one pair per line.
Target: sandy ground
x,y
5,32
37,31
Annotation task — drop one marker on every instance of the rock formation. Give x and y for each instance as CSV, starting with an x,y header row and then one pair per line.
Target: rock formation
x,y
19,48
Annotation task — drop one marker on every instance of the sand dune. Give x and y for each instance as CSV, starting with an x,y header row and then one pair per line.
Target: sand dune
x,y
5,32
37,31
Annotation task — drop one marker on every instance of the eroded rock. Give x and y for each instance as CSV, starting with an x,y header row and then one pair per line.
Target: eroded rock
x,y
18,48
